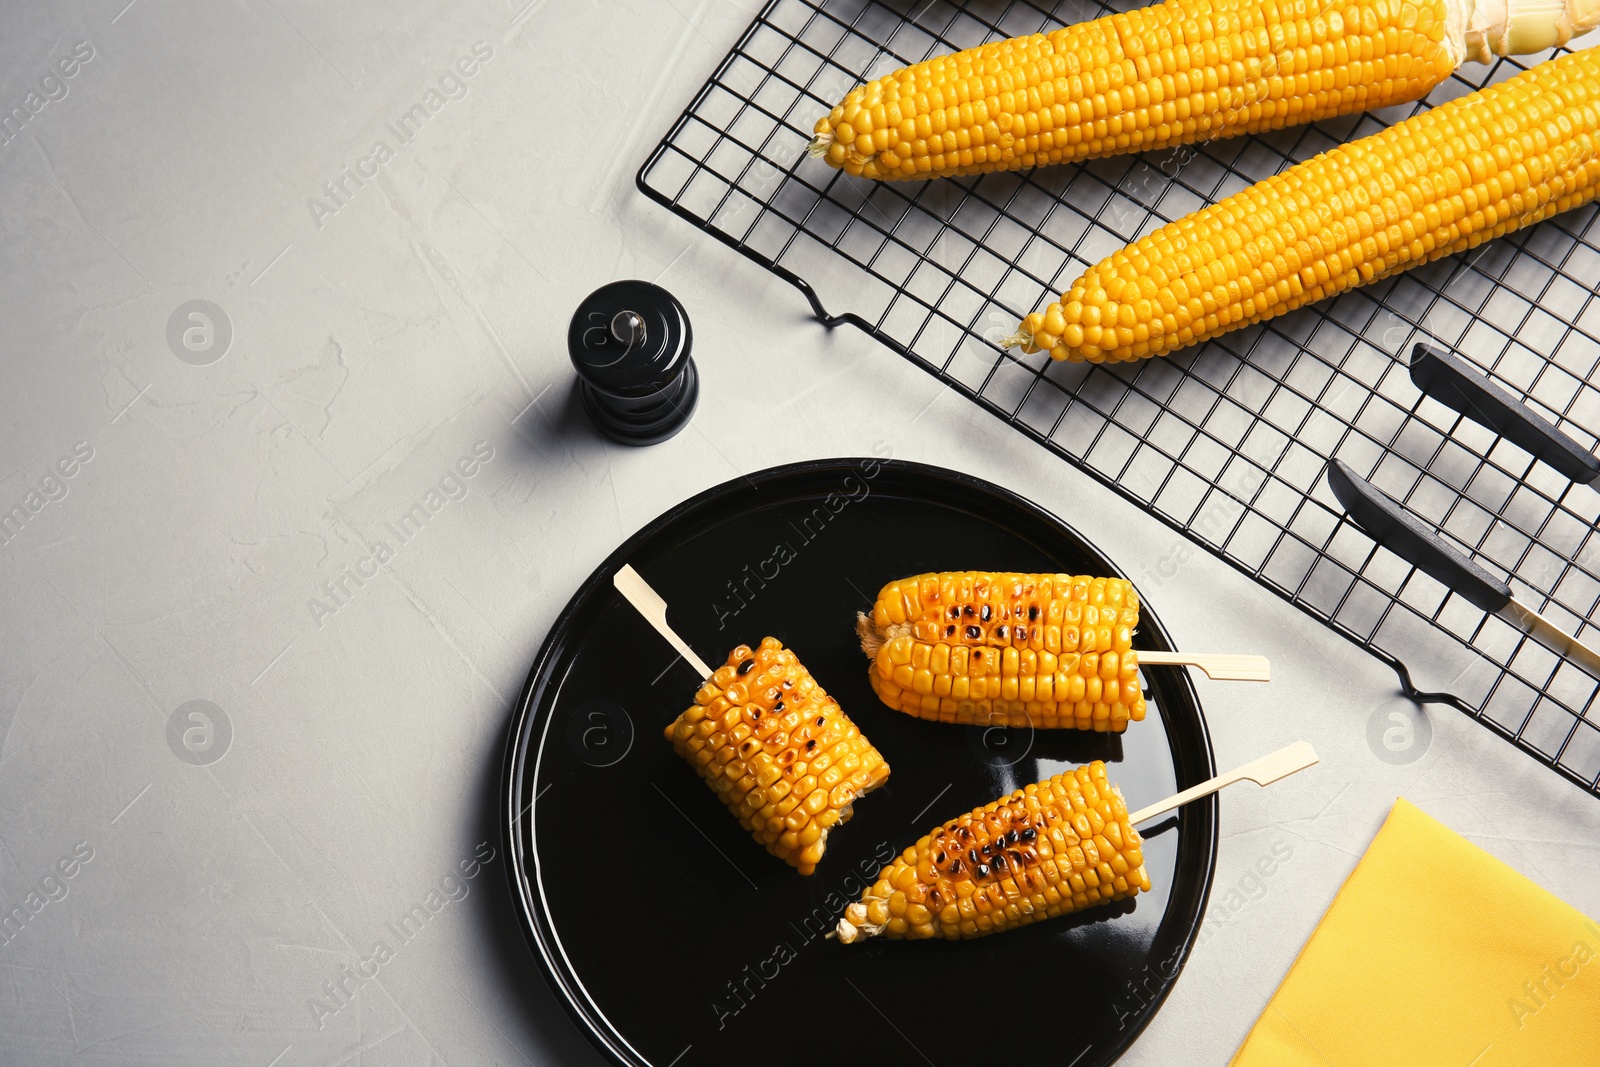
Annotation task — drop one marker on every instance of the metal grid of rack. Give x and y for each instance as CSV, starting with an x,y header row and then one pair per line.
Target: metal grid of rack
x,y
1228,442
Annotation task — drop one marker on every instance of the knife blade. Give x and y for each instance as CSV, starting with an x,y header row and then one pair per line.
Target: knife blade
x,y
1408,537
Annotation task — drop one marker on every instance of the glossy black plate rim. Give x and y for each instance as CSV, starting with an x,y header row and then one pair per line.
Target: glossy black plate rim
x,y
558,972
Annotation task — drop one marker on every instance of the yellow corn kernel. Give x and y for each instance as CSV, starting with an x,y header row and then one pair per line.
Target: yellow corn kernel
x,y
1441,182
994,868
783,756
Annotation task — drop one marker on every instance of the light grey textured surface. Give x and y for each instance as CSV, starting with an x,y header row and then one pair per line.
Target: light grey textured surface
x,y
380,333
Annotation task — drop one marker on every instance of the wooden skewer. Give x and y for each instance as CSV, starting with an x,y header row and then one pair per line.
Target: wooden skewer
x,y
1219,666
1264,771
648,602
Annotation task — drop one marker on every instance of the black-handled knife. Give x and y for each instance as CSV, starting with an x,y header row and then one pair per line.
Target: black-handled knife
x,y
1463,388
1413,541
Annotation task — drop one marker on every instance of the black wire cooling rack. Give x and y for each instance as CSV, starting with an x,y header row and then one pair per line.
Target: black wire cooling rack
x,y
1227,443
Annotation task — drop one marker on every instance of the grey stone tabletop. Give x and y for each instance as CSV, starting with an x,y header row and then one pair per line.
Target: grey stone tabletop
x,y
295,485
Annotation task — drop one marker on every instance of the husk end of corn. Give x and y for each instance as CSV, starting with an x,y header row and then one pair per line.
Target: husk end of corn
x,y
1021,339
1480,30
872,638
855,926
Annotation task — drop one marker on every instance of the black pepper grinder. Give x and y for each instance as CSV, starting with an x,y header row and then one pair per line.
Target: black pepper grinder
x,y
630,343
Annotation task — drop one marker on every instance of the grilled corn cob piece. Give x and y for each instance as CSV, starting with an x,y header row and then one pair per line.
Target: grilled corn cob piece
x,y
1002,649
1438,183
1062,845
778,750
1181,71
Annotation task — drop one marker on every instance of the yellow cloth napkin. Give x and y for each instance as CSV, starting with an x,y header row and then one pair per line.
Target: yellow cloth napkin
x,y
1435,952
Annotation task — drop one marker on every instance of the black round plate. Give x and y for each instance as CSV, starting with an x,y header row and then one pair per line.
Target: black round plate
x,y
675,940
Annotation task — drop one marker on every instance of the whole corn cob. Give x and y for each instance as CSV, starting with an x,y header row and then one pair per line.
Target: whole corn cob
x,y
1438,183
1181,71
778,750
1059,846
1004,649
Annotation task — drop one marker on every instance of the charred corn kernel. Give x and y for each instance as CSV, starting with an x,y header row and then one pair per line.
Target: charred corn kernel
x,y
1177,72
977,631
1009,863
1438,183
784,757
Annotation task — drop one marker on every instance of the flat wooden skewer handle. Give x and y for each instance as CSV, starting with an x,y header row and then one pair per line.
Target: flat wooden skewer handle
x,y
1219,666
1264,771
648,602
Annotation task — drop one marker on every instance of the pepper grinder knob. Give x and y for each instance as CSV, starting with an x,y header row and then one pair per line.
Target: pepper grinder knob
x,y
628,327
630,343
